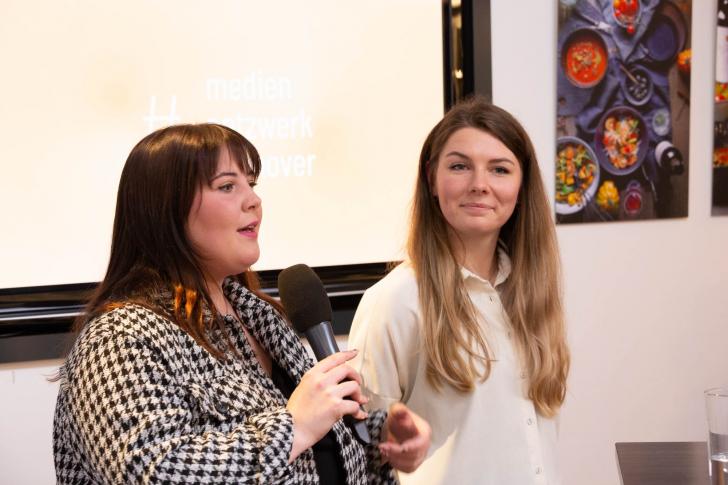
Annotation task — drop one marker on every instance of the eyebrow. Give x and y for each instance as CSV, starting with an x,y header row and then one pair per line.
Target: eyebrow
x,y
223,174
459,154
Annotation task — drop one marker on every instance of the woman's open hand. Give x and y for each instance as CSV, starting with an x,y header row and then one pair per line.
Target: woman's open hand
x,y
407,438
320,400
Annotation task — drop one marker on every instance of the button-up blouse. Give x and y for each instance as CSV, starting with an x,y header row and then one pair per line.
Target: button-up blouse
x,y
492,435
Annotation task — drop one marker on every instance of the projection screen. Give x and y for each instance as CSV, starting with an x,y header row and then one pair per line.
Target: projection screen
x,y
337,96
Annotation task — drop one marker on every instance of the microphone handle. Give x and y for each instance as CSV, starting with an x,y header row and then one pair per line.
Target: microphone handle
x,y
321,339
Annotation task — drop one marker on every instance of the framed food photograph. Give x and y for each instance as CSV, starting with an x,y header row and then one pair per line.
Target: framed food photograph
x,y
720,138
623,114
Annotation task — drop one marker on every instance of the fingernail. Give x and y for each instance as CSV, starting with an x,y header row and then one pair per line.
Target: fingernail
x,y
354,351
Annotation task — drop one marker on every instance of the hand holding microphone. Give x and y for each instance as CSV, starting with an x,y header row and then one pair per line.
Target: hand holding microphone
x,y
331,389
328,391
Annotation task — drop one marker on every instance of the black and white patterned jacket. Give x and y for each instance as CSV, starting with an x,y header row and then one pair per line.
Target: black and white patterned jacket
x,y
141,402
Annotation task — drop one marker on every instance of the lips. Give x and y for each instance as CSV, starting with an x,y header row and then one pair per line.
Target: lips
x,y
251,230
477,205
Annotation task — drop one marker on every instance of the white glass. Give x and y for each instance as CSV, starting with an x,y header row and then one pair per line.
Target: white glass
x,y
716,404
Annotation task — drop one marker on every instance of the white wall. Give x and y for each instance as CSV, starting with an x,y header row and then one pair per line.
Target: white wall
x,y
646,301
27,400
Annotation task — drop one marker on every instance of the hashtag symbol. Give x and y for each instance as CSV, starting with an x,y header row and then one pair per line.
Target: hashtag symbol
x,y
154,120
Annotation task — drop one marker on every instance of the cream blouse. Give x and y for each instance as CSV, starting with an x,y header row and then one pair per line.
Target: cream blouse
x,y
491,436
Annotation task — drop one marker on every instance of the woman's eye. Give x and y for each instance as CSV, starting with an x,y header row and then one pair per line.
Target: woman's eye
x,y
501,170
226,187
458,166
252,183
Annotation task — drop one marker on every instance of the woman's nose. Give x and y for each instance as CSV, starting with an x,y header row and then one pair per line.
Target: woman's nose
x,y
251,201
480,182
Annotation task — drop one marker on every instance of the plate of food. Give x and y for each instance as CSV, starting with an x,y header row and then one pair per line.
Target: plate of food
x,y
620,140
636,85
720,157
627,13
584,58
577,174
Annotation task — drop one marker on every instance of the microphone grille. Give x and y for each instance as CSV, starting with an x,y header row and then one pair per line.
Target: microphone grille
x,y
303,296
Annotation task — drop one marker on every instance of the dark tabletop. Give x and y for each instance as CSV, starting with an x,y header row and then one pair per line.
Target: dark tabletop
x,y
668,463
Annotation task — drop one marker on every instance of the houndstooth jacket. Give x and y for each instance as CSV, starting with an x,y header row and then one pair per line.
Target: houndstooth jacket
x,y
141,402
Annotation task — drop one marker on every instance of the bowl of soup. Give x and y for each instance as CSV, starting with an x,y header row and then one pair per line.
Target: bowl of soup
x,y
584,58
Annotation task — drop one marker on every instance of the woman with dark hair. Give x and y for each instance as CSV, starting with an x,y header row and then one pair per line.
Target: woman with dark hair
x,y
469,330
183,372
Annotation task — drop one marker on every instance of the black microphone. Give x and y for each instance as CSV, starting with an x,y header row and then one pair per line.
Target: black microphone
x,y
307,305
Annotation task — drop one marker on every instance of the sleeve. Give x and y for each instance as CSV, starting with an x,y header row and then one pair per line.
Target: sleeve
x,y
385,330
135,424
377,472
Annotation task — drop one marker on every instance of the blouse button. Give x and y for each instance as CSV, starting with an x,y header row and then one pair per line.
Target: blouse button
x,y
538,470
523,375
529,421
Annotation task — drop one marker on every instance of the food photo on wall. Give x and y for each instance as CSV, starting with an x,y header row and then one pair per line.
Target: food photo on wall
x,y
623,114
720,137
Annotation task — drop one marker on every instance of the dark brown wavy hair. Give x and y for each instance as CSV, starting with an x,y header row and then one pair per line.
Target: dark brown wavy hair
x,y
150,252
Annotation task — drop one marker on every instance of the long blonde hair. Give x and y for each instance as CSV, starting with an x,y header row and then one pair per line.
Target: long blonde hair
x,y
456,350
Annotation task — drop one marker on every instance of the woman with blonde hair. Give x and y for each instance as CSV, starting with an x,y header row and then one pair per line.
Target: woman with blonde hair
x,y
469,330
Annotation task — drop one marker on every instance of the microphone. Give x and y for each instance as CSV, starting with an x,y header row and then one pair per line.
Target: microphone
x,y
307,305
